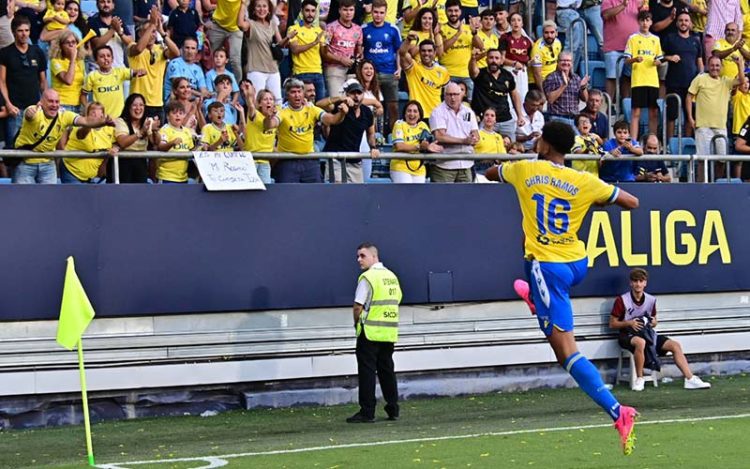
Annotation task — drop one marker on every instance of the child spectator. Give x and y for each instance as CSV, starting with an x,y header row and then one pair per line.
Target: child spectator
x,y
643,51
586,142
223,86
106,84
217,135
85,170
56,17
621,145
651,171
490,142
261,127
175,137
220,68
184,22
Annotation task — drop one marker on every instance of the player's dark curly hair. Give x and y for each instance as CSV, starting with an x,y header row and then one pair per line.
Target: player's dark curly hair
x,y
559,135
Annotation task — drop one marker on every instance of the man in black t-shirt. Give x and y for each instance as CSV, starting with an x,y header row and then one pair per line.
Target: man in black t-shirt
x,y
347,136
683,52
664,16
23,76
492,86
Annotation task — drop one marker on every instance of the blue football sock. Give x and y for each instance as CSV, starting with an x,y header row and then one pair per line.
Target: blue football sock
x,y
588,379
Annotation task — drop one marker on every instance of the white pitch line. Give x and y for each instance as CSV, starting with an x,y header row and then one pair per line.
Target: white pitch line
x,y
216,459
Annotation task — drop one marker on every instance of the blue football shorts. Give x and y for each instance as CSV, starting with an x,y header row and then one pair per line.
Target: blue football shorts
x,y
550,284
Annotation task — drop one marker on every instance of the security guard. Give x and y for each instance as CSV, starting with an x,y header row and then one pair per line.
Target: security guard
x,y
376,322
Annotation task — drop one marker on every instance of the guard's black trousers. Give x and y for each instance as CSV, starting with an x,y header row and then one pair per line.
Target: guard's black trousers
x,y
376,358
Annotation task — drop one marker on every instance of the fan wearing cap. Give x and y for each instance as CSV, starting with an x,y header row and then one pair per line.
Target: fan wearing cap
x,y
347,136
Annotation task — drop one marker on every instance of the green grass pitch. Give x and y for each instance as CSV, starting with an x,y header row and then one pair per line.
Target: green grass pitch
x,y
557,428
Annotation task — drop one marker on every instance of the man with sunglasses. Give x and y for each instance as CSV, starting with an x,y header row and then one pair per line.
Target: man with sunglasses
x,y
23,76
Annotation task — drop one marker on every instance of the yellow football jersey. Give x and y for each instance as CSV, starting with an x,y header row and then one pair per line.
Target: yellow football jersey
x,y
544,56
70,95
150,85
456,59
297,128
257,138
728,65
107,89
425,84
100,139
171,169
211,134
649,47
404,132
489,143
490,41
309,61
554,201
31,131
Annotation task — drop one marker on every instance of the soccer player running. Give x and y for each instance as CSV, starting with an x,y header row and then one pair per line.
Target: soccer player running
x,y
554,201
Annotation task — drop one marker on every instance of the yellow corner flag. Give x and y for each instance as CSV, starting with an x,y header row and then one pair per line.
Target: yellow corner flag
x,y
76,311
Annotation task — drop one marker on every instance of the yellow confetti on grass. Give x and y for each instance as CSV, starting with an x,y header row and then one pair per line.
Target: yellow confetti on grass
x,y
484,455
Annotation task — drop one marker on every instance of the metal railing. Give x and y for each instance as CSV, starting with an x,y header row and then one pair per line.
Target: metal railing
x,y
431,157
608,100
712,149
618,72
569,39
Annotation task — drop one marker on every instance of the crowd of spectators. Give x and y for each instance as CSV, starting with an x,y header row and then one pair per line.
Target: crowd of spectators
x,y
301,76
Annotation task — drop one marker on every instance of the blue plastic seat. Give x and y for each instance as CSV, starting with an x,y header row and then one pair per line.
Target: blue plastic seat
x,y
688,146
598,74
595,52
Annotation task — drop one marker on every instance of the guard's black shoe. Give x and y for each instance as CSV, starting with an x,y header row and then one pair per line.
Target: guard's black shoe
x,y
392,417
360,418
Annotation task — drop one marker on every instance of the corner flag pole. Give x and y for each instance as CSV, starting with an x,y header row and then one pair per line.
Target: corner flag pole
x,y
76,313
84,397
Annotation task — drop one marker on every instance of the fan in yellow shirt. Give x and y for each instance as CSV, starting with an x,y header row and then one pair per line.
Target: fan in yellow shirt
x,y
217,135
56,18
411,135
729,50
152,58
457,42
261,128
305,41
105,84
68,70
544,53
586,142
490,142
175,137
424,77
486,36
81,170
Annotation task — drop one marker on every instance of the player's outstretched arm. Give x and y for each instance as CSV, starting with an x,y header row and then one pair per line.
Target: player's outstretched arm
x,y
626,200
493,173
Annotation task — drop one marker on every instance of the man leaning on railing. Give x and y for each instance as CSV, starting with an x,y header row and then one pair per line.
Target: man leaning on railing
x,y
42,128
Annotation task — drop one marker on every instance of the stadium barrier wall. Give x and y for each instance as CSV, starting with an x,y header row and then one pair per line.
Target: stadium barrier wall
x,y
145,250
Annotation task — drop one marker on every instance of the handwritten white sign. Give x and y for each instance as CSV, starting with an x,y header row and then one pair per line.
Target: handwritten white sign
x,y
228,171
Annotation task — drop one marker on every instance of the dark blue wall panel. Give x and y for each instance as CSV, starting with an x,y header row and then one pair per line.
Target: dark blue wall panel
x,y
177,249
